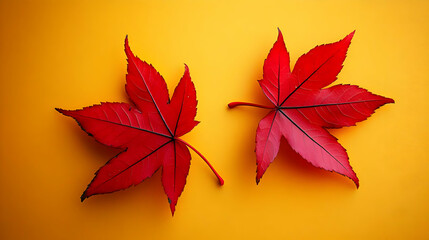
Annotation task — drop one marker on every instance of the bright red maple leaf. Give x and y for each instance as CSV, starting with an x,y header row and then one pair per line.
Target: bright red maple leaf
x,y
148,132
303,108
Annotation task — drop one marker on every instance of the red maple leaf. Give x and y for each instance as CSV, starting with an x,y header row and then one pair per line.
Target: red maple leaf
x,y
302,108
148,132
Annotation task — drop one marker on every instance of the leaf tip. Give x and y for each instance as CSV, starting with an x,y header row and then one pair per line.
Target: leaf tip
x,y
64,112
186,71
280,36
349,37
127,46
172,206
83,197
354,178
259,172
356,181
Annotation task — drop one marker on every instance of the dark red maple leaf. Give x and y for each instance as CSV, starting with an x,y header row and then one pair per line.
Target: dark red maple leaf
x,y
302,108
148,132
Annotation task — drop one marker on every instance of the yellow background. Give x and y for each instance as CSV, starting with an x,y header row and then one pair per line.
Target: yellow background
x,y
69,54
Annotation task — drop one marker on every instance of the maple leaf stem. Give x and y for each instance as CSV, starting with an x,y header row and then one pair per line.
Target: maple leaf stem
x,y
236,104
221,182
